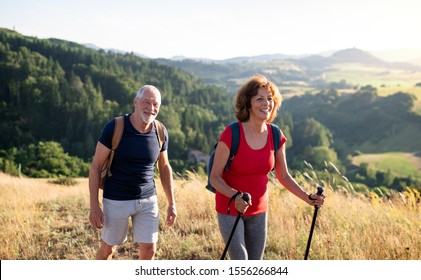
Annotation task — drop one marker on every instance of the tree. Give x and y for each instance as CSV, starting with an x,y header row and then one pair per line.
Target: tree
x,y
48,159
320,156
311,133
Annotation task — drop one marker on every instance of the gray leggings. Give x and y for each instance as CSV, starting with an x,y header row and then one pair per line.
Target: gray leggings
x,y
249,239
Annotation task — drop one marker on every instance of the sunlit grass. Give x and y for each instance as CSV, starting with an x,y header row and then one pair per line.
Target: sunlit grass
x,y
45,221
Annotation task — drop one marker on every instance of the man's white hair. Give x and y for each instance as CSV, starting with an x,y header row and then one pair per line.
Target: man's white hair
x,y
146,88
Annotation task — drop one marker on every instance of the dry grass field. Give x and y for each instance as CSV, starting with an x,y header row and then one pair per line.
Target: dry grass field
x,y
44,221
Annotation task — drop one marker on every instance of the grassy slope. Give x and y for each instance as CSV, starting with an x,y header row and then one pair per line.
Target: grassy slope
x,y
44,221
405,141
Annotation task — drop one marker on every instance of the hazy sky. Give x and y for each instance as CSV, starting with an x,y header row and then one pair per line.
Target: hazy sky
x,y
220,29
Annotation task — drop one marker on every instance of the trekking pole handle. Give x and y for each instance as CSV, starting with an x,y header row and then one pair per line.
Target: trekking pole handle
x,y
246,197
320,190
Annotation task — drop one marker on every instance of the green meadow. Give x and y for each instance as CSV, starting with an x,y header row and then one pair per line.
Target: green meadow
x,y
401,164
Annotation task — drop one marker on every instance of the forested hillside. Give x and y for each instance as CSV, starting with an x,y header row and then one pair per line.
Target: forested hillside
x,y
53,90
55,97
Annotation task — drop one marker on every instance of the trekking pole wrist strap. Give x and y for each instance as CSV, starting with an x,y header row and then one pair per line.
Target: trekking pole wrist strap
x,y
232,199
310,196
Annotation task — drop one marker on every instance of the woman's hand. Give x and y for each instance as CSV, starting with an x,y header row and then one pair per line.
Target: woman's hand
x,y
241,205
316,200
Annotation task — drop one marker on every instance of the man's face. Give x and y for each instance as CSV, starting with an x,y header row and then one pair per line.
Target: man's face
x,y
147,106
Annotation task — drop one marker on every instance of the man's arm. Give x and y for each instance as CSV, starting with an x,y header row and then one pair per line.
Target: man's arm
x,y
101,154
167,181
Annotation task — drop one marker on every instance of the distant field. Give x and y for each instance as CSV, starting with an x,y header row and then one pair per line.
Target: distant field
x,y
388,90
404,164
387,81
376,76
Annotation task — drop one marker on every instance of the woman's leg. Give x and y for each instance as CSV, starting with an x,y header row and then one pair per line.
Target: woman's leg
x,y
255,232
237,249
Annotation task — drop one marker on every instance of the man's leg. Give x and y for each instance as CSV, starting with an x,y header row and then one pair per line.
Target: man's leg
x,y
105,252
145,227
116,223
147,251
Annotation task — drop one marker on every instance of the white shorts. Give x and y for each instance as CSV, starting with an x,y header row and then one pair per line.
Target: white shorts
x,y
145,220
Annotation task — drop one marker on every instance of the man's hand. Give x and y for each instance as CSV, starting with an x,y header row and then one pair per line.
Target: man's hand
x,y
171,215
96,217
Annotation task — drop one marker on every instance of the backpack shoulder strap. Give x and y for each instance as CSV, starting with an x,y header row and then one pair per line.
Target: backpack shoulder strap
x,y
235,142
118,132
276,134
161,135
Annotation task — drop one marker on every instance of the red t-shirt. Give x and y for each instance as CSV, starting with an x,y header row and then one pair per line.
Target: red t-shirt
x,y
248,172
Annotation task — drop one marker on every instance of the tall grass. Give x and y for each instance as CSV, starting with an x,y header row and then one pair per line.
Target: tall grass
x,y
44,221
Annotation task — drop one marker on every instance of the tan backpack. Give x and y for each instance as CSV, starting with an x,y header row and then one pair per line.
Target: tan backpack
x,y
118,132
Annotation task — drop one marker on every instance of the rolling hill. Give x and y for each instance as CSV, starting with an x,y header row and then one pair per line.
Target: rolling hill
x,y
54,90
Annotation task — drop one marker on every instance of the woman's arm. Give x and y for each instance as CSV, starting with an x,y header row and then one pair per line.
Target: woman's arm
x,y
222,153
285,178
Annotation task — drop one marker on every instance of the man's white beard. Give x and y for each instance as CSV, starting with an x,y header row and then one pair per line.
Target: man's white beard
x,y
148,118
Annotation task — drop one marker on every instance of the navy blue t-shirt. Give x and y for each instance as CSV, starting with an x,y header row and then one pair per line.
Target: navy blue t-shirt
x,y
133,163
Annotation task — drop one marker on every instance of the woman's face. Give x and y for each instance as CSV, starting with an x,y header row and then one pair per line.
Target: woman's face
x,y
262,104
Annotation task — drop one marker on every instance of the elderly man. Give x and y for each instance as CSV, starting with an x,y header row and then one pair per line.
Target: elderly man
x,y
130,191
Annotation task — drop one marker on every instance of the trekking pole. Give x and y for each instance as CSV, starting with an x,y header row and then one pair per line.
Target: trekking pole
x,y
319,192
246,197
